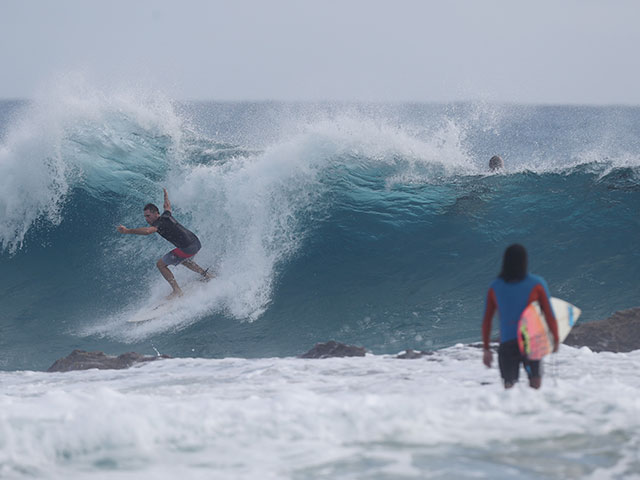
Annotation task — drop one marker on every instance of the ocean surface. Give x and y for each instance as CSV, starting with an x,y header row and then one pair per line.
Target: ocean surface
x,y
372,224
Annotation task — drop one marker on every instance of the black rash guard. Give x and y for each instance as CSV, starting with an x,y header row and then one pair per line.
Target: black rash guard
x,y
172,231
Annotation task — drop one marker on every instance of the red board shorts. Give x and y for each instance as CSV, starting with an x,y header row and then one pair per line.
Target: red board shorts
x,y
179,255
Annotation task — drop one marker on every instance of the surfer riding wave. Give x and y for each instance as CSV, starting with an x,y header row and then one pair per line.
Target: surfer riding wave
x,y
186,242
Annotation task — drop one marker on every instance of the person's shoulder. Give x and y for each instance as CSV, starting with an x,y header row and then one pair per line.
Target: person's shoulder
x,y
161,219
537,279
496,282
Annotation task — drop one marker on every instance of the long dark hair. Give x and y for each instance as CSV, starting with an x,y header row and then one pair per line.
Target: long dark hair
x,y
514,264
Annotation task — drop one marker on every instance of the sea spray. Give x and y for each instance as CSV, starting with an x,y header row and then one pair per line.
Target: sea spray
x,y
80,138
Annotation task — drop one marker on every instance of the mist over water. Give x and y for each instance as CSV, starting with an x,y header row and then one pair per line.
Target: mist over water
x,y
371,224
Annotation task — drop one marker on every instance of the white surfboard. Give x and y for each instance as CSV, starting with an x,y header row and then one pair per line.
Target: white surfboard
x,y
534,338
160,310
165,307
566,315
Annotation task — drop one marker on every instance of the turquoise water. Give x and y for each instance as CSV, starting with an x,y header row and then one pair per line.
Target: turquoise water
x,y
376,225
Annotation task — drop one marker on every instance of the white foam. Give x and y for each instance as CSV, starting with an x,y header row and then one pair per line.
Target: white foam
x,y
440,416
252,212
33,182
76,135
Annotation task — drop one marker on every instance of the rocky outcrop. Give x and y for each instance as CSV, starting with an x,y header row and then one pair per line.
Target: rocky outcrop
x,y
82,360
618,333
334,349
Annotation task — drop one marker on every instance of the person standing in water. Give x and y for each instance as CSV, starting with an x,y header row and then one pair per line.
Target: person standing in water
x,y
510,294
186,242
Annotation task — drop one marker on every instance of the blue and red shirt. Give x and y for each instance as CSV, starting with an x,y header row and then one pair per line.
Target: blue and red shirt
x,y
511,299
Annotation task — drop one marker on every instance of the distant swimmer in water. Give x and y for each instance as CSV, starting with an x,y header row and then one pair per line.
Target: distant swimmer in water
x,y
510,294
185,241
496,163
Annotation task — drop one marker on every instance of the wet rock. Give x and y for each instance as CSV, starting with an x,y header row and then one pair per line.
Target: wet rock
x,y
412,354
618,333
334,349
82,360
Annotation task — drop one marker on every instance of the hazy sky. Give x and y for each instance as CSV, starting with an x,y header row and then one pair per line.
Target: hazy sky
x,y
580,51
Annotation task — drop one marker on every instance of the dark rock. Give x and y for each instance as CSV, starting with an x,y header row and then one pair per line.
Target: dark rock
x,y
82,360
618,333
412,354
334,349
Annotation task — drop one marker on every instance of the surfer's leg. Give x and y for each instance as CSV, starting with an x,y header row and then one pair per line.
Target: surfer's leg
x,y
534,372
509,362
193,266
168,276
186,258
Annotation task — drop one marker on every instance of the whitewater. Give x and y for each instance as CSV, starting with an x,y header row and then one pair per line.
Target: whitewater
x,y
372,417
372,224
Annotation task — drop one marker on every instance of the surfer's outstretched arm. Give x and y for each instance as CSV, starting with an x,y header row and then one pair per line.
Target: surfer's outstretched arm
x,y
137,231
167,203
